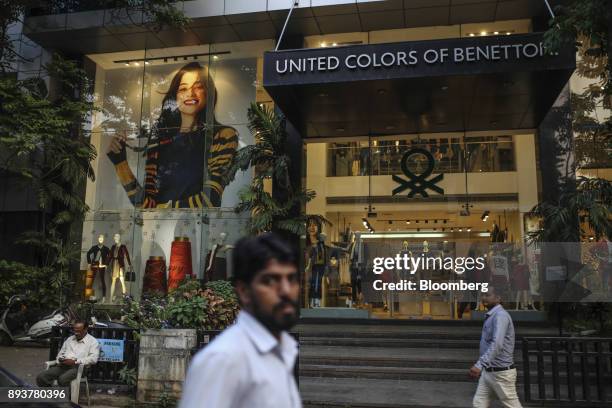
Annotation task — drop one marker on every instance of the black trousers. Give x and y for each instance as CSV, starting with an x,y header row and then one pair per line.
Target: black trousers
x,y
63,374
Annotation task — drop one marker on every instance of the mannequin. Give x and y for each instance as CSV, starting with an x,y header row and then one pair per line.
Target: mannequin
x,y
316,262
405,274
216,265
355,270
97,258
520,283
118,256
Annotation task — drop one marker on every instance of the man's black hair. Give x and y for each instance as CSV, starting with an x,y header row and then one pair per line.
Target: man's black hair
x,y
252,254
81,321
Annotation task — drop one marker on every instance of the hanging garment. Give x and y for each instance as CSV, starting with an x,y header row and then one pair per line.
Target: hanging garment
x,y
98,254
119,257
101,271
154,280
520,277
180,262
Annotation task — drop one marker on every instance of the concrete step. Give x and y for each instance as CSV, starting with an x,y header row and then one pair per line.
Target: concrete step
x,y
385,357
391,373
385,393
435,342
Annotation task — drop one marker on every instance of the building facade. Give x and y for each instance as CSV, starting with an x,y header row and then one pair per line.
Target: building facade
x,y
425,128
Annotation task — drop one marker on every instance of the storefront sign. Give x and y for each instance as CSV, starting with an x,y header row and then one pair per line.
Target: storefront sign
x,y
418,183
411,59
111,350
372,60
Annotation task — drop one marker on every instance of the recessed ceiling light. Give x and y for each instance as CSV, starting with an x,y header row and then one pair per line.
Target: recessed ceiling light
x,y
136,63
483,33
334,44
127,64
471,34
323,44
508,33
147,62
215,57
495,32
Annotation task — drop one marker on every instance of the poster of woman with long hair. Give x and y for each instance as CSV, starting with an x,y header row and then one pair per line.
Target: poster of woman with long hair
x,y
185,165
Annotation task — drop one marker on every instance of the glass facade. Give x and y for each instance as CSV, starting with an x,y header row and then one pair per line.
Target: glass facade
x,y
488,184
168,124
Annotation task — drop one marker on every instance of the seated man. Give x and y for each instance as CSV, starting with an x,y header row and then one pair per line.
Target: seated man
x,y
81,348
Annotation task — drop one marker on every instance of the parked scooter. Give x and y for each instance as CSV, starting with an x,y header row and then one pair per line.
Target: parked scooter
x,y
19,324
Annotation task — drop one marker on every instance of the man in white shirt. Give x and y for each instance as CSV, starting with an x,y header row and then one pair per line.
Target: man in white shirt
x,y
81,348
250,365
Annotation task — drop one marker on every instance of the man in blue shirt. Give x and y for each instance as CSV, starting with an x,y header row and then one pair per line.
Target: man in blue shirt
x,y
495,367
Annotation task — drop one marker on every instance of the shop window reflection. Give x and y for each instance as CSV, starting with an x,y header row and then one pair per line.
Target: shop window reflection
x,y
452,155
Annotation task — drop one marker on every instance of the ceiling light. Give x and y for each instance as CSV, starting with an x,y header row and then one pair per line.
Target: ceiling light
x,y
485,215
483,33
323,44
495,32
147,62
136,63
471,34
127,64
334,44
469,229
460,229
408,222
215,57
508,33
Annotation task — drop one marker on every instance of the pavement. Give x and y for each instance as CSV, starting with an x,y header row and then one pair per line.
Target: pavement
x,y
24,361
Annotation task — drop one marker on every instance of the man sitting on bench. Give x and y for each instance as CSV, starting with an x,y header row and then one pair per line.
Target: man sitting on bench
x,y
81,348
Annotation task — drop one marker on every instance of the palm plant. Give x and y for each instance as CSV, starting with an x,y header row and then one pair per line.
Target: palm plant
x,y
590,200
270,162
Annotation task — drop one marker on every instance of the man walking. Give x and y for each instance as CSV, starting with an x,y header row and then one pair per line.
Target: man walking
x,y
495,367
81,348
250,365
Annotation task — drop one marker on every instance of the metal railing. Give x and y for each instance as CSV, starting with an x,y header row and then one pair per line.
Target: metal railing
x,y
103,372
564,371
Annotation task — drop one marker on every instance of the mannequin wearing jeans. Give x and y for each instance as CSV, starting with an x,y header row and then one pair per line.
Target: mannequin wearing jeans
x,y
318,263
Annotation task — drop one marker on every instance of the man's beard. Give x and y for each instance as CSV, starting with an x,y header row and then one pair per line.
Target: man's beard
x,y
276,325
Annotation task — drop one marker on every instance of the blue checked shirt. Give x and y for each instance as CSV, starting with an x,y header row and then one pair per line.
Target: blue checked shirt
x,y
497,340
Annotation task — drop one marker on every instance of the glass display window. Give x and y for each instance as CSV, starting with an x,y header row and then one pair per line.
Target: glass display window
x,y
168,124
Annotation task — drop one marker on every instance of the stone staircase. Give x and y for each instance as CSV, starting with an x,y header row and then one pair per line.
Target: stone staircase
x,y
398,364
